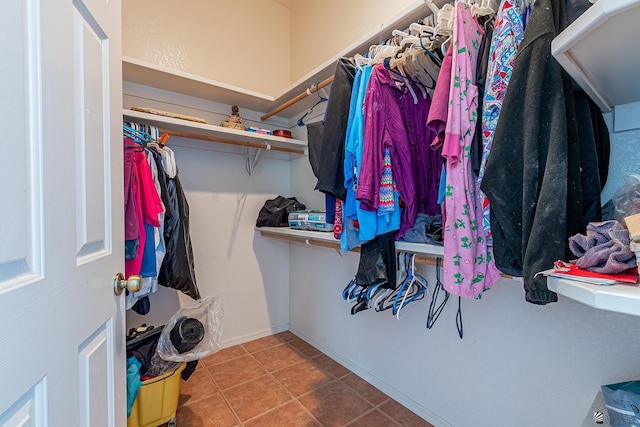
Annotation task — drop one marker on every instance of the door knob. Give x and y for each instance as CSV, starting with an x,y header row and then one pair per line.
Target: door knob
x,y
133,284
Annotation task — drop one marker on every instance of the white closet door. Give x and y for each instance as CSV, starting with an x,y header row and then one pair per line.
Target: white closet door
x,y
61,226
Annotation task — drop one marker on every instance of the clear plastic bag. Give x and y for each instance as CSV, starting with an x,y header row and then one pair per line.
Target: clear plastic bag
x,y
193,332
626,199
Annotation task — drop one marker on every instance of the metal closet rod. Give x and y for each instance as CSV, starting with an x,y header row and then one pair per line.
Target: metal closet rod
x,y
230,141
303,95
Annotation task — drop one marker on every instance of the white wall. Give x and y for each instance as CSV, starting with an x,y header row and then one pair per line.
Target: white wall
x,y
518,364
625,157
251,275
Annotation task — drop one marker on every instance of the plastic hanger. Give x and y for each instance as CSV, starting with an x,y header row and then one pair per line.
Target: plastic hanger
x,y
433,7
459,318
421,29
138,136
386,302
445,20
310,110
361,60
485,8
368,297
434,312
398,33
361,305
401,273
379,296
352,291
411,290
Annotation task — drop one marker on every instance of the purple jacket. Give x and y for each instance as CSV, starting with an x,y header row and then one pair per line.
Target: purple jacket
x,y
392,120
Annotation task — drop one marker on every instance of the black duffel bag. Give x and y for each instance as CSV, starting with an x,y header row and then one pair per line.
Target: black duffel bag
x,y
275,212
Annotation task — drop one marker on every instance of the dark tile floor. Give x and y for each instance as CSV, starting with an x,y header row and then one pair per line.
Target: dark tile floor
x,y
279,381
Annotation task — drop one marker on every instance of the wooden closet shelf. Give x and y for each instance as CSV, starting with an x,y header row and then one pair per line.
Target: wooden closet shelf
x,y
218,134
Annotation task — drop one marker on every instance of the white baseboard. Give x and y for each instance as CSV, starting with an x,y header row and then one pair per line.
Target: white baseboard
x,y
386,388
253,336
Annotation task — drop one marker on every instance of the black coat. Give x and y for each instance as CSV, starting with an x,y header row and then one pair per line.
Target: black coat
x,y
542,177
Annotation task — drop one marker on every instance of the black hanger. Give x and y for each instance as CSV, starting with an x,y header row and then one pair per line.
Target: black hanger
x,y
459,319
434,312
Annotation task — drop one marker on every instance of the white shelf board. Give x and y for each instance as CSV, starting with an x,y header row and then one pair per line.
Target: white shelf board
x,y
148,74
619,298
141,72
327,238
600,50
214,131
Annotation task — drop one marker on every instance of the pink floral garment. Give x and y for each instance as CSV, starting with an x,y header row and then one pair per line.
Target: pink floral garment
x,y
469,268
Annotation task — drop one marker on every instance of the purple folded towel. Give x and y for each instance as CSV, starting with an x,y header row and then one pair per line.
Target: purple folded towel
x,y
604,249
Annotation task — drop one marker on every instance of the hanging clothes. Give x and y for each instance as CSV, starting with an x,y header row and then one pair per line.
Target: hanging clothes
x,y
154,249
157,242
507,35
360,225
147,200
468,262
437,119
482,71
427,163
177,270
395,113
331,170
533,176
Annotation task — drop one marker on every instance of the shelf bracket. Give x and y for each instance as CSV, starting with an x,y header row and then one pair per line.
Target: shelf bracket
x,y
251,165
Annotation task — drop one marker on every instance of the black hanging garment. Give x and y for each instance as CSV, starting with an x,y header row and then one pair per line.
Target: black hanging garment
x,y
481,78
314,144
331,164
177,270
378,262
542,179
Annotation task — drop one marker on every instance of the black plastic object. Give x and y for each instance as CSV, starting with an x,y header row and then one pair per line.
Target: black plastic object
x,y
186,334
143,346
275,212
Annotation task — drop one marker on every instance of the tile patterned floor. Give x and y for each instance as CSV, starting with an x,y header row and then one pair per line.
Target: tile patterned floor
x,y
281,381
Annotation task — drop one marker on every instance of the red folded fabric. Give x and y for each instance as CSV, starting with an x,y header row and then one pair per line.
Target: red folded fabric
x,y
569,269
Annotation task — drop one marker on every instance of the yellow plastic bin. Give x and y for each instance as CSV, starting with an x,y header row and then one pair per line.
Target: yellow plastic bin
x,y
157,400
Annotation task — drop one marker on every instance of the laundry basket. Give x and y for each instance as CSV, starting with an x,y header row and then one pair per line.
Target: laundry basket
x,y
157,400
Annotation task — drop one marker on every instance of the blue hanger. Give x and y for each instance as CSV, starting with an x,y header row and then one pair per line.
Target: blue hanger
x,y
431,54
412,289
138,136
320,100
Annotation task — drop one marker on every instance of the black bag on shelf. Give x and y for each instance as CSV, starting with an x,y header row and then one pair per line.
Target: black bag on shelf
x,y
275,212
